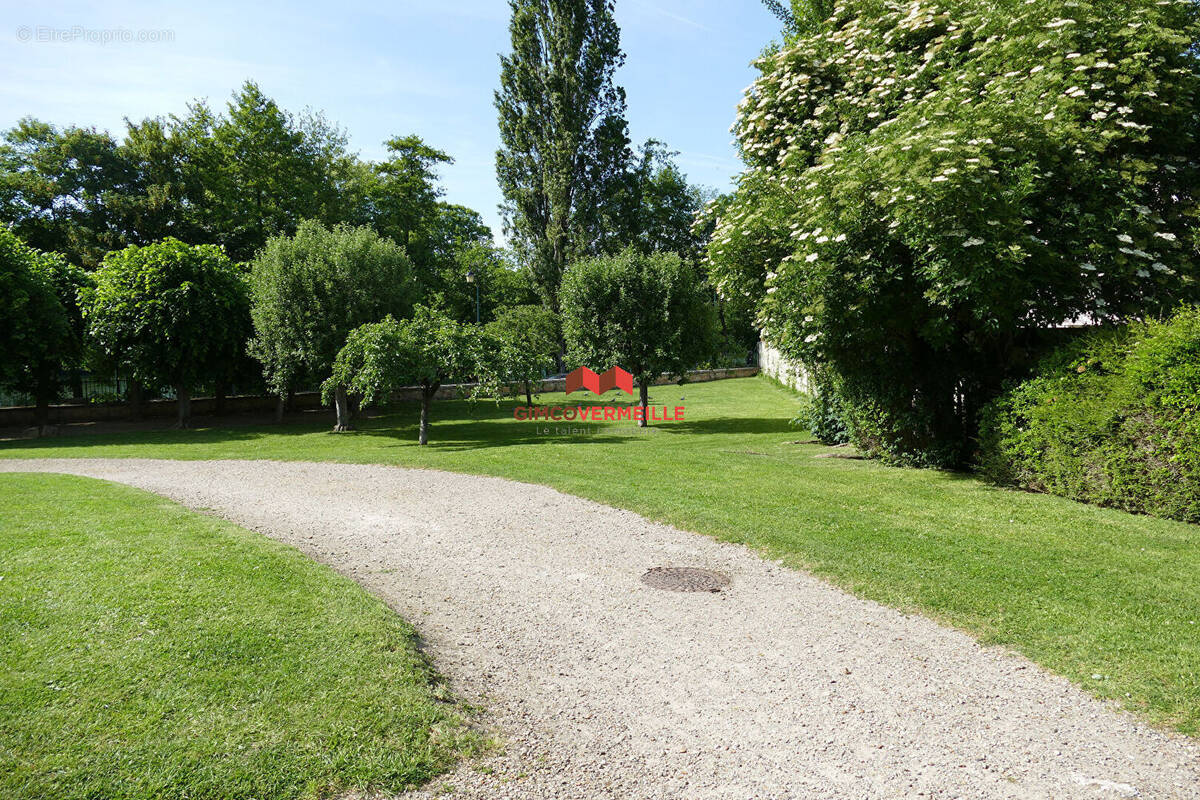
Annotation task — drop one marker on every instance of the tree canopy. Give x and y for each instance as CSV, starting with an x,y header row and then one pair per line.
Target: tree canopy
x,y
36,336
233,177
528,338
171,314
311,289
563,144
929,185
649,314
427,351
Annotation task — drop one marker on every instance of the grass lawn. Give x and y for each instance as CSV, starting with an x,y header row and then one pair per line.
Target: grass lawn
x,y
1108,599
147,652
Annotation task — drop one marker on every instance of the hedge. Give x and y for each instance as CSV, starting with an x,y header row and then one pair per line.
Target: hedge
x,y
1113,419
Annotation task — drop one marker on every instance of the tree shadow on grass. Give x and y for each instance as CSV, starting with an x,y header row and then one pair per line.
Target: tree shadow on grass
x,y
728,425
455,425
484,425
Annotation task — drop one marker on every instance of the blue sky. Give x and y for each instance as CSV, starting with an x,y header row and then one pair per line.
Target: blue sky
x,y
377,69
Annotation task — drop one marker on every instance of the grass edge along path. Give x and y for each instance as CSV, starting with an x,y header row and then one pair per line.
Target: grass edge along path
x,y
1102,597
148,651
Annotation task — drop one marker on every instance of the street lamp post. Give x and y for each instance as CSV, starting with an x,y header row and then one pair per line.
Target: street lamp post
x,y
471,279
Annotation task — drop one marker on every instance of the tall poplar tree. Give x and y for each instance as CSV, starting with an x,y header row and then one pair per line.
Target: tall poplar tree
x,y
564,147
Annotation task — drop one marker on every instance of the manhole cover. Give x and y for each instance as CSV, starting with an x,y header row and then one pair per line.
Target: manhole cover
x,y
685,579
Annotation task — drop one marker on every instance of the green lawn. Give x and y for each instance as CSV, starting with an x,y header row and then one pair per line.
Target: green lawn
x,y
147,652
1082,590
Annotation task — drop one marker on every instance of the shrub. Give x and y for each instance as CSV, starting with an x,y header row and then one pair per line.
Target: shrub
x,y
1112,420
929,185
822,414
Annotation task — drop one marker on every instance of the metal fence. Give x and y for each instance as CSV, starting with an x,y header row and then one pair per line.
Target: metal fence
x,y
88,389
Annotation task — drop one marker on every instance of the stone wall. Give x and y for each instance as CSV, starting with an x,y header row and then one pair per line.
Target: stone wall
x,y
773,364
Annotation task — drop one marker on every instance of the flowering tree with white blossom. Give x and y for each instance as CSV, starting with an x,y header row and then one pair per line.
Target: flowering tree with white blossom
x,y
931,185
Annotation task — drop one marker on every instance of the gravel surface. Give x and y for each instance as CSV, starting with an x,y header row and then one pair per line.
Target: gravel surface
x,y
599,686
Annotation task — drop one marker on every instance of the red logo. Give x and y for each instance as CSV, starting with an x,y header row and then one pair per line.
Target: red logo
x,y
615,378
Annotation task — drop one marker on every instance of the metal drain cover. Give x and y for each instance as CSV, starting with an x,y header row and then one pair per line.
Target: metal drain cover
x,y
685,579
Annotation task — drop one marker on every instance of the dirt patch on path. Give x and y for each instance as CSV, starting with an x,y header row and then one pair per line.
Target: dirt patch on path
x,y
777,686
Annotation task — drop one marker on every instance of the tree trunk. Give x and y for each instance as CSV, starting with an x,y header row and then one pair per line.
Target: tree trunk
x,y
341,404
219,398
137,399
280,405
427,393
183,399
528,395
644,401
77,384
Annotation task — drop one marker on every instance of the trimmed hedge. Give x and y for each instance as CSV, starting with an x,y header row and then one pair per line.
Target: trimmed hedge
x,y
1113,419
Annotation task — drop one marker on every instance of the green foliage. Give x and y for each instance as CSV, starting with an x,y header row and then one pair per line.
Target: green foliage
x,y
399,198
310,290
53,187
930,184
36,337
426,351
233,178
402,193
800,17
822,414
170,314
528,339
500,283
649,314
663,207
1112,420
563,144
265,170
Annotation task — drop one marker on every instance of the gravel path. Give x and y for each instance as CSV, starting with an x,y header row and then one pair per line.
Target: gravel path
x,y
781,686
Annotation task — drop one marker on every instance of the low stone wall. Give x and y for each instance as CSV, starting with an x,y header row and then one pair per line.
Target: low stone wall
x,y
773,364
23,416
18,416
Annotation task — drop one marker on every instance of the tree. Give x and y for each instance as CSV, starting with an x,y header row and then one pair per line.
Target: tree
x,y
70,283
172,314
53,185
528,343
310,290
667,205
429,350
402,195
35,331
563,146
649,314
265,170
501,285
652,207
928,188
